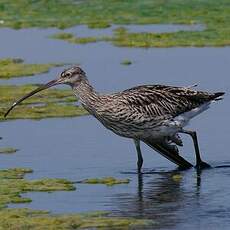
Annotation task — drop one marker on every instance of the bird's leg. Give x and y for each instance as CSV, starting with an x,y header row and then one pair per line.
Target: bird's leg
x,y
139,155
199,163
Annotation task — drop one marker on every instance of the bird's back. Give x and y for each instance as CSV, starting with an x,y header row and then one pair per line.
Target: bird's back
x,y
161,100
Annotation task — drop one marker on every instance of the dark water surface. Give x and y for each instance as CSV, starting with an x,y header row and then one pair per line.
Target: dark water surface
x,y
79,148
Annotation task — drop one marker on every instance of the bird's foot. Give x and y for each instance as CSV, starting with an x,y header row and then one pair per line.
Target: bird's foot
x,y
202,165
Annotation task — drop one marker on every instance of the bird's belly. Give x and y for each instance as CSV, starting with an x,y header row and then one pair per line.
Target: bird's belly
x,y
143,131
153,133
125,131
165,130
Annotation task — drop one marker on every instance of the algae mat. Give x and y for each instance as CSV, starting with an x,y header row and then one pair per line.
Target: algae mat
x,y
50,103
13,185
15,67
213,14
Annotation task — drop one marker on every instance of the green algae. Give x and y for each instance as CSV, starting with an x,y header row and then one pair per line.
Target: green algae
x,y
63,36
101,14
126,62
214,15
180,39
98,25
109,181
78,40
84,40
33,219
177,177
8,150
13,185
47,104
16,68
15,173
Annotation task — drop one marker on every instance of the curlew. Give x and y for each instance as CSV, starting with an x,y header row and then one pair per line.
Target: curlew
x,y
153,114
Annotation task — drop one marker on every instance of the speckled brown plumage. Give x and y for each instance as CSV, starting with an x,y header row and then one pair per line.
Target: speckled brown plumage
x,y
154,114
136,110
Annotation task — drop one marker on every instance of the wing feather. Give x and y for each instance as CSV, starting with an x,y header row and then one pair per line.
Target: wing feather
x,y
166,101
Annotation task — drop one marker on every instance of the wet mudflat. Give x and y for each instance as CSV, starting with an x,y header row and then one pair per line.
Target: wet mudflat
x,y
80,148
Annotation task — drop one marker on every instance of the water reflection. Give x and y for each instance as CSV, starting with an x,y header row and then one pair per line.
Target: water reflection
x,y
160,197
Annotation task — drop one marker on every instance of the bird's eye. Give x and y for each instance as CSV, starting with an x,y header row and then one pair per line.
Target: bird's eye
x,y
67,74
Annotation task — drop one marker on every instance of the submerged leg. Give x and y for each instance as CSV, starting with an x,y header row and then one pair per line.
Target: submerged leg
x,y
139,155
199,163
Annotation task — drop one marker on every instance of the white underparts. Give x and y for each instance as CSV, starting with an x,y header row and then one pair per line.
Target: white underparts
x,y
171,127
183,119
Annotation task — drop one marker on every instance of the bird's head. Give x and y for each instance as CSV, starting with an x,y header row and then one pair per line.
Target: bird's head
x,y
72,77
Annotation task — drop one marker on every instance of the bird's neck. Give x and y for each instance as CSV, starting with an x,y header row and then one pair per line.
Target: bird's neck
x,y
88,97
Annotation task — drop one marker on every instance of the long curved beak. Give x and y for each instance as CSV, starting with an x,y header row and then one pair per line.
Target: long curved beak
x,y
46,86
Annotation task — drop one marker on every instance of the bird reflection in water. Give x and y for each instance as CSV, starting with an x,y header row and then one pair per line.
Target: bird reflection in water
x,y
160,196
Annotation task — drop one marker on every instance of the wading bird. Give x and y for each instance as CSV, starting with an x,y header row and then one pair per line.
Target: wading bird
x,y
154,114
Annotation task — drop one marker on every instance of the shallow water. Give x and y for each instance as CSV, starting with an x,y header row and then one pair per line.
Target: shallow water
x,y
79,148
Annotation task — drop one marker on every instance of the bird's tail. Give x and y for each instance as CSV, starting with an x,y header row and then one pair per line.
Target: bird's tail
x,y
169,153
